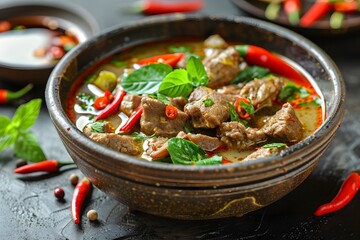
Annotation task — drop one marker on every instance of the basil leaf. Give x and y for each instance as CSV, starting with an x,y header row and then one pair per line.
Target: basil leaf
x,y
208,102
176,84
274,145
184,152
290,91
234,117
98,126
197,72
145,80
6,140
210,161
161,98
27,147
250,73
26,115
179,49
4,122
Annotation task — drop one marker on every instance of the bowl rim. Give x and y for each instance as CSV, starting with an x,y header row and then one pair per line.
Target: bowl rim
x,y
69,130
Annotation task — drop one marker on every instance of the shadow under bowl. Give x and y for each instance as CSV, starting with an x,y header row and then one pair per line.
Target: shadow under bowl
x,y
68,17
196,192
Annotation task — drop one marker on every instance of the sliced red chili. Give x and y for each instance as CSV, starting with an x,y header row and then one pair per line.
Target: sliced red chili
x,y
171,59
171,112
347,191
44,166
112,107
103,101
133,119
80,192
239,109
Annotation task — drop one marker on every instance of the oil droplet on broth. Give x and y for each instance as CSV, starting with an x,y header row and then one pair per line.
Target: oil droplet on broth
x,y
18,47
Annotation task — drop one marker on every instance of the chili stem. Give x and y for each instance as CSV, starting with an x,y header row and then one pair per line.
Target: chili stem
x,y
6,95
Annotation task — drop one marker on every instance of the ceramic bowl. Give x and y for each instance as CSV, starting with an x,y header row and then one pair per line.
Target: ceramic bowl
x,y
196,192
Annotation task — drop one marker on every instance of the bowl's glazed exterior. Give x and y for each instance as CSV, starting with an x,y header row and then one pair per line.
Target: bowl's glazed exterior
x,y
196,192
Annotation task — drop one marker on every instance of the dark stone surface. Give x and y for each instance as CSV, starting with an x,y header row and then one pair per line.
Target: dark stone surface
x,y
29,210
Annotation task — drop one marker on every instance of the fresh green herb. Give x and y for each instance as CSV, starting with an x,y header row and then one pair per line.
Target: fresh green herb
x,y
188,128
176,84
290,91
98,126
185,152
92,117
16,132
147,79
118,63
208,102
197,72
315,102
162,98
91,78
179,49
234,117
250,73
274,145
249,108
86,101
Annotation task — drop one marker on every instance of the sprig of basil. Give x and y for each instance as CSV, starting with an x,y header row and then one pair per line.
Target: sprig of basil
x,y
176,84
197,72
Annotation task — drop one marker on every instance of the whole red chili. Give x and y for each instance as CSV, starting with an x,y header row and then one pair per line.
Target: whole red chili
x,y
347,191
80,192
103,101
347,7
112,107
49,166
6,95
133,119
171,112
259,56
161,6
292,9
317,11
171,59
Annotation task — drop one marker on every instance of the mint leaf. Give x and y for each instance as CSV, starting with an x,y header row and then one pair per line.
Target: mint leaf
x,y
184,152
27,147
250,73
176,84
274,145
197,72
26,115
146,80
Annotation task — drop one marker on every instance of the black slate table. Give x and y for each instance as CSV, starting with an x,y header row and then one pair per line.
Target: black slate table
x,y
28,209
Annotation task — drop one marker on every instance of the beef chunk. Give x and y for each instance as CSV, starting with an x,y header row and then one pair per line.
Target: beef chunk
x,y
284,126
207,143
263,152
231,92
129,103
154,121
210,116
262,91
236,136
158,148
178,102
222,67
121,143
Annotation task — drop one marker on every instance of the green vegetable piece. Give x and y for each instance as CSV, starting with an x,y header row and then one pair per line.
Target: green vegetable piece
x,y
118,63
274,145
336,20
179,49
106,81
161,98
250,73
249,108
272,10
197,72
214,160
234,117
208,102
86,100
290,91
147,79
91,78
98,126
184,152
176,84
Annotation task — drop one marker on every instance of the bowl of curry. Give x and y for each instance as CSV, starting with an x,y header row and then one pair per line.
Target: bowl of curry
x,y
196,117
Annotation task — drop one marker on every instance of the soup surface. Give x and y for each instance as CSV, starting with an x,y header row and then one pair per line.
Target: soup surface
x,y
196,102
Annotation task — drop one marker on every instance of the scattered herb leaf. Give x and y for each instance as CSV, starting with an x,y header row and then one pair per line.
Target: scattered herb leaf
x,y
176,84
250,73
118,63
290,91
86,100
248,107
179,49
98,126
234,117
162,98
208,102
274,145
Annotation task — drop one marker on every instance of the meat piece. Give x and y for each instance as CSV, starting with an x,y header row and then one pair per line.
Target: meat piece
x,y
129,103
223,67
215,41
231,92
207,143
158,148
262,91
263,152
284,126
210,116
178,102
122,143
154,121
236,136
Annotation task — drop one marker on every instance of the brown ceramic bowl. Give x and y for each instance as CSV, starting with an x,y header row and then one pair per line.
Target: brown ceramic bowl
x,y
196,192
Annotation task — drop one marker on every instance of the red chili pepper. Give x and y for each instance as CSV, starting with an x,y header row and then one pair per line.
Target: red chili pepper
x,y
171,112
6,95
112,107
80,192
225,161
133,119
259,56
292,9
317,11
49,166
239,109
103,101
171,59
347,191
5,26
347,7
161,6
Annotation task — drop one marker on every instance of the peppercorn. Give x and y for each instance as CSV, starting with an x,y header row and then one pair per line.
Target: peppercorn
x,y
74,179
92,215
20,163
59,193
